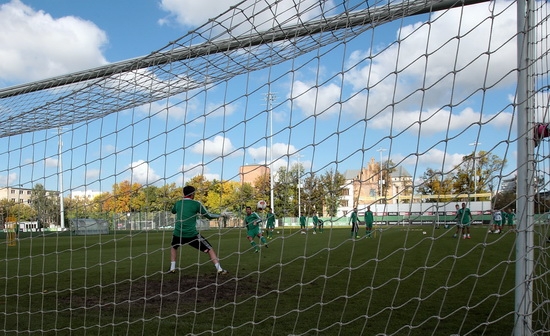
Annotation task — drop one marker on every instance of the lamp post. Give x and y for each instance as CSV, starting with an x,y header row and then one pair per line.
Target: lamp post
x,y
60,176
299,186
380,150
475,144
270,97
299,200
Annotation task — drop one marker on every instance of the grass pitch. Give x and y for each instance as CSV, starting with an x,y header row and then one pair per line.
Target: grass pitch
x,y
401,282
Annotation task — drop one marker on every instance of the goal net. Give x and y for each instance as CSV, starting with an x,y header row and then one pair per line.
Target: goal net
x,y
414,119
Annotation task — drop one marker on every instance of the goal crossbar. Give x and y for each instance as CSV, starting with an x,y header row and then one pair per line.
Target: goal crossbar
x,y
83,98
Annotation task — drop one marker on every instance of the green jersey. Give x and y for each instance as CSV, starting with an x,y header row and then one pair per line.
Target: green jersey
x,y
510,217
369,218
303,221
464,215
353,219
270,220
187,212
315,220
252,221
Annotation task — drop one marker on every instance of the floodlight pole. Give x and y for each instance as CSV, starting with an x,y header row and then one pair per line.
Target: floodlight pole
x,y
60,176
380,150
270,98
475,144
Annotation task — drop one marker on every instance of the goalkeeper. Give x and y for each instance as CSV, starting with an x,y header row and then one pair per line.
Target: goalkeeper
x,y
252,223
185,231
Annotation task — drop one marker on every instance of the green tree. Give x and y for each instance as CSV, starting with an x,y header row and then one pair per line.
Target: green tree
x,y
202,186
167,195
45,205
5,209
434,182
332,183
78,208
312,198
23,212
286,191
477,172
262,186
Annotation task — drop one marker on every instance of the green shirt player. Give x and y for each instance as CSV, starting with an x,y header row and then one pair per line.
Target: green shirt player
x,y
252,223
187,212
270,223
354,220
510,219
465,218
315,222
369,220
303,221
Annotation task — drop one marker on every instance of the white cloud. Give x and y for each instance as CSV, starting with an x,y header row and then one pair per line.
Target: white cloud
x,y
281,154
34,45
411,80
142,173
194,13
92,174
8,180
219,146
435,121
51,162
195,169
317,100
434,158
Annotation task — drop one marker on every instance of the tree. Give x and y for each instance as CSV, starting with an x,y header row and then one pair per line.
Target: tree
x,y
221,196
145,199
78,208
478,170
123,198
45,205
464,178
262,185
434,182
167,195
332,183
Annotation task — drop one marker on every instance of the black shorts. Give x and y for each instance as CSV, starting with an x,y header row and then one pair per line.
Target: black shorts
x,y
198,242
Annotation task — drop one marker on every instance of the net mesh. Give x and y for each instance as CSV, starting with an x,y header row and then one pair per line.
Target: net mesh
x,y
317,107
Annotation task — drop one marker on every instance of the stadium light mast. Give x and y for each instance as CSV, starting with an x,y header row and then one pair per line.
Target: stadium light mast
x,y
299,187
475,144
270,97
60,176
380,150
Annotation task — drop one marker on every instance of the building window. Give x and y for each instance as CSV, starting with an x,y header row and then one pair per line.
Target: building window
x,y
13,191
345,192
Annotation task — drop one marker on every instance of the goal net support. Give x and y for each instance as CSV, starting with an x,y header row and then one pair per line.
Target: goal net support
x,y
418,111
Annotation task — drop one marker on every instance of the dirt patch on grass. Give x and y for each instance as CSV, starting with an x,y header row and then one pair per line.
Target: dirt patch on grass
x,y
169,292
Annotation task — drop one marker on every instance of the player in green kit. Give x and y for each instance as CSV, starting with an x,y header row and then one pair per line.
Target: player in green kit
x,y
185,231
315,222
270,223
303,221
369,220
252,223
510,219
354,220
465,217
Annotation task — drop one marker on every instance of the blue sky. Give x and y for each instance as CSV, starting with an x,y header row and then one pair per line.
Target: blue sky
x,y
322,118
